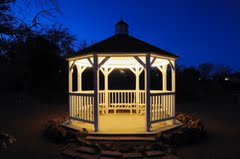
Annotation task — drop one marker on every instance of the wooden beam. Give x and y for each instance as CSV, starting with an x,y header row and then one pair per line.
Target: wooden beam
x,y
81,68
103,71
152,62
140,71
140,61
111,69
72,65
90,61
106,71
160,68
95,76
147,90
103,61
173,68
133,71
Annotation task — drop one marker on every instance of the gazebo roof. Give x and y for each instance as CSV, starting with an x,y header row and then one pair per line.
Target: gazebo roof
x,y
123,44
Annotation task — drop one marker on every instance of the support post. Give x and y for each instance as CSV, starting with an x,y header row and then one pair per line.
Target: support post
x,y
96,88
147,91
173,90
106,71
80,71
70,76
79,81
70,71
164,77
137,88
137,71
173,77
106,89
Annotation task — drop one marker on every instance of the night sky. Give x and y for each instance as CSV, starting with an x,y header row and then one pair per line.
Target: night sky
x,y
197,31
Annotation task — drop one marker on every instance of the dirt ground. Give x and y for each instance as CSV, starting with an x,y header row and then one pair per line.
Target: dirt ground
x,y
26,120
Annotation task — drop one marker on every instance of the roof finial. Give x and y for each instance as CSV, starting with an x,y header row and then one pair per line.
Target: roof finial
x,y
121,27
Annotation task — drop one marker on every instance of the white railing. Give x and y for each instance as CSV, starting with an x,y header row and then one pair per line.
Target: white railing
x,y
81,106
162,106
121,96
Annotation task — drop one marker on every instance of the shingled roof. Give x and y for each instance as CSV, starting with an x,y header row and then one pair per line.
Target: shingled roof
x,y
124,44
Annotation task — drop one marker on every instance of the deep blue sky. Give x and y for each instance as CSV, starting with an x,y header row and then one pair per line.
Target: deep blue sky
x,y
196,30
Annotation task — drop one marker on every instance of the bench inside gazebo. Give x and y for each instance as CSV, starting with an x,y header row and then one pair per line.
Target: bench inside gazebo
x,y
122,111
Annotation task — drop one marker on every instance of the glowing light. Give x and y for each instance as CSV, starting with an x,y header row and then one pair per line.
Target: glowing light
x,y
122,72
160,62
226,78
122,62
83,62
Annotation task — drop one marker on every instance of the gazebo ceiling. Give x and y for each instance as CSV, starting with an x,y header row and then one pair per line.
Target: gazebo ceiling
x,y
122,62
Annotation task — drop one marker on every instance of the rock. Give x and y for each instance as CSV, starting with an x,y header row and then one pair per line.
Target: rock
x,y
125,147
107,158
153,146
171,150
166,147
85,132
70,153
114,149
170,156
166,138
65,147
132,155
3,145
55,131
5,140
87,156
180,116
111,153
97,146
154,153
140,149
108,146
88,150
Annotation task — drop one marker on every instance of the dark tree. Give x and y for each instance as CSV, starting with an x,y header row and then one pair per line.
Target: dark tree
x,y
205,70
221,71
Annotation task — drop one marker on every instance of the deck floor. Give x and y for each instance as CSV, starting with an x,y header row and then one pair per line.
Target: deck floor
x,y
122,123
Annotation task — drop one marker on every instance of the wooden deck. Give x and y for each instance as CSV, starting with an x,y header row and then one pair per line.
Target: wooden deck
x,y
123,123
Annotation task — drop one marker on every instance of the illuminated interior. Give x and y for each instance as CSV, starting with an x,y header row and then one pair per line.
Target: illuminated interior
x,y
122,62
122,111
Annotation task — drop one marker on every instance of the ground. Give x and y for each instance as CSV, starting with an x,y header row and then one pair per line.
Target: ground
x,y
25,119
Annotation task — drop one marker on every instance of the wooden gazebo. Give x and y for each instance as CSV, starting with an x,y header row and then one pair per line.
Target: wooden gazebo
x,y
99,108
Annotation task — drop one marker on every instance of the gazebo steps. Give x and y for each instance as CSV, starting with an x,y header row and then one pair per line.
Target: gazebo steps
x,y
120,138
127,133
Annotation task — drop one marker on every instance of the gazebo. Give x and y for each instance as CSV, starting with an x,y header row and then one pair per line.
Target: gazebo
x,y
122,111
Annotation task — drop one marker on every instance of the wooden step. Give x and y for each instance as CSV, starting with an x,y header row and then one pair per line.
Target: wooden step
x,y
121,138
107,153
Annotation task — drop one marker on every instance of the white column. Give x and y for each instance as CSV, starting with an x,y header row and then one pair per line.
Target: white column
x,y
80,71
96,88
137,71
173,89
106,88
147,92
173,77
137,89
79,80
164,78
70,71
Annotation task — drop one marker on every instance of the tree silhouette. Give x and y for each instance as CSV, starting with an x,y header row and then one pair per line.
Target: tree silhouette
x,y
205,70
